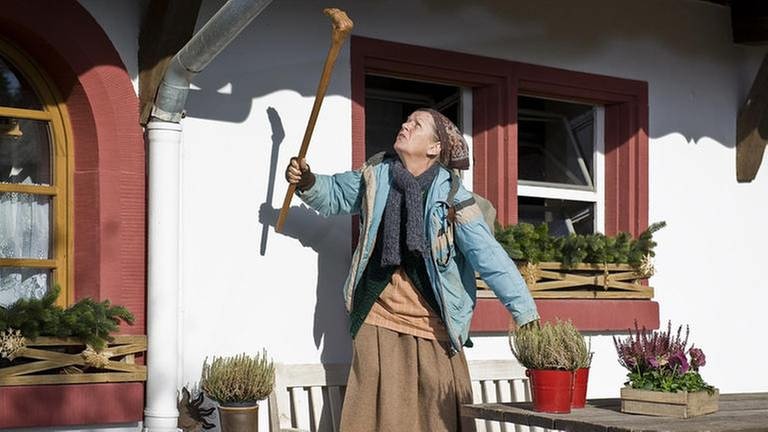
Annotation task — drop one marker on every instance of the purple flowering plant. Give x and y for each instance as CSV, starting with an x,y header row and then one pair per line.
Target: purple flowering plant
x,y
661,360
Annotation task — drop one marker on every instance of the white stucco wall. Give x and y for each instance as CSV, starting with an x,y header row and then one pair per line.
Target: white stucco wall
x,y
288,299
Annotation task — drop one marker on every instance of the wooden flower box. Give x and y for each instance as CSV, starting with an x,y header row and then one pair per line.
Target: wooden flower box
x,y
552,280
679,404
49,360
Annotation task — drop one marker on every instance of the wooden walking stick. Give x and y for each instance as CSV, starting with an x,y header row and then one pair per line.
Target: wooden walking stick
x,y
342,26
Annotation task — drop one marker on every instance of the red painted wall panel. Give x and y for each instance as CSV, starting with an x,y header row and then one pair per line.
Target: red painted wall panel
x,y
587,315
109,197
71,405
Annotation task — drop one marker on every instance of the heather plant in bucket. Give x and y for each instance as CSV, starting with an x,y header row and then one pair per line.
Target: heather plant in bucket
x,y
662,361
551,352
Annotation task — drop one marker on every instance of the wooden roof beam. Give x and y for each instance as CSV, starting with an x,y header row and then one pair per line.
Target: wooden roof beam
x,y
166,27
749,21
752,127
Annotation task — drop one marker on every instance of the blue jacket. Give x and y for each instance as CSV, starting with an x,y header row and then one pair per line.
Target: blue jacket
x,y
459,248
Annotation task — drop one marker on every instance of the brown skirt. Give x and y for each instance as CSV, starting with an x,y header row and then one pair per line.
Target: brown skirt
x,y
400,382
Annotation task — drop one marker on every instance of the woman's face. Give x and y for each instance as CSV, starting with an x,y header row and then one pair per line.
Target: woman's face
x,y
417,137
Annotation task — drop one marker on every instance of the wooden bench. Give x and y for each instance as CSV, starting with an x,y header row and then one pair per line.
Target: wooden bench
x,y
308,397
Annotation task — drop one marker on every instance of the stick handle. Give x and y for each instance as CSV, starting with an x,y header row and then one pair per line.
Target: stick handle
x,y
342,26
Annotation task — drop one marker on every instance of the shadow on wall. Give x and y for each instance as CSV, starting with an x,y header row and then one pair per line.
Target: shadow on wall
x,y
321,234
285,46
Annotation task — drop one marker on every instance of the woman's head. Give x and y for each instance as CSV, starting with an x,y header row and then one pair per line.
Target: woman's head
x,y
429,136
417,139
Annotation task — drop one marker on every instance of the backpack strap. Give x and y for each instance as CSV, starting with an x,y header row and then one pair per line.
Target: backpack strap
x,y
452,206
455,182
485,206
377,158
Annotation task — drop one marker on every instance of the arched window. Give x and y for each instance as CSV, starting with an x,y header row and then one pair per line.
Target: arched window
x,y
35,196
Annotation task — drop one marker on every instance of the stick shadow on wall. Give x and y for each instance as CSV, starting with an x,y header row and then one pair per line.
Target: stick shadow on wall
x,y
326,236
278,134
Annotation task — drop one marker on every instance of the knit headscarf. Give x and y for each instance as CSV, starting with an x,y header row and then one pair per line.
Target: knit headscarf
x,y
454,152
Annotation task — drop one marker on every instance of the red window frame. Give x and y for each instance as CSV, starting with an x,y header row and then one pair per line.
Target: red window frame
x,y
109,198
496,84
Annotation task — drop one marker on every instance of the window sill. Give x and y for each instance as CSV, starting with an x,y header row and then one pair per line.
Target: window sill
x,y
71,404
587,315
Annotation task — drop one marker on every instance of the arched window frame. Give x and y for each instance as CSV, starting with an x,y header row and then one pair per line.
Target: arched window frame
x,y
55,113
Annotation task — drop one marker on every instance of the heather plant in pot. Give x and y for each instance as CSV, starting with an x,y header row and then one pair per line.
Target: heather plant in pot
x,y
238,383
661,361
550,352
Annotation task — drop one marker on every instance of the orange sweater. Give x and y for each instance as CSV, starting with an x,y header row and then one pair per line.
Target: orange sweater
x,y
401,308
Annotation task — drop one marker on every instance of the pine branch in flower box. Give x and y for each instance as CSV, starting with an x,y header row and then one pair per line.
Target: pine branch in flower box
x,y
56,360
582,281
579,266
43,343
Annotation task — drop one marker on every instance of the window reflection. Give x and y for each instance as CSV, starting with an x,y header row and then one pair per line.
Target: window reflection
x,y
555,142
25,151
15,91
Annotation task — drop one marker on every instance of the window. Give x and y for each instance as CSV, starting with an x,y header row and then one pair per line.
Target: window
x,y
560,165
389,101
34,183
594,180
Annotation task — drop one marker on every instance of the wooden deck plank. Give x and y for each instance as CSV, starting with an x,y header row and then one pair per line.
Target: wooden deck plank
x,y
738,413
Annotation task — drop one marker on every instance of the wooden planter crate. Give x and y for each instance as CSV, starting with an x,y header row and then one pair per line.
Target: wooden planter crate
x,y
48,360
679,404
551,280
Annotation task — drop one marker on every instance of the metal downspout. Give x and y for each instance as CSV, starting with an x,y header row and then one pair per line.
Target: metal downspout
x,y
164,133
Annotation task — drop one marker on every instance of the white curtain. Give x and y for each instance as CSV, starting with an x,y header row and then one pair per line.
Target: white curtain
x,y
24,233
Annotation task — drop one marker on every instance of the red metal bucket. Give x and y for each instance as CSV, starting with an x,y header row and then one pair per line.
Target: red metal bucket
x,y
581,376
552,390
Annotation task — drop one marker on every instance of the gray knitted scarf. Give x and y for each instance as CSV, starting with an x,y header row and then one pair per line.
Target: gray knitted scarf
x,y
406,193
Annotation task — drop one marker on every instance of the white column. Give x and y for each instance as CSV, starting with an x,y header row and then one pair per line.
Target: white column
x,y
160,413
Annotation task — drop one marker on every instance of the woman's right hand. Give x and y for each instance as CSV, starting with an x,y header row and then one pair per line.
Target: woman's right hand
x,y
299,174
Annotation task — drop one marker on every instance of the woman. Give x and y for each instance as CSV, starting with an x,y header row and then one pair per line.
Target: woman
x,y
411,286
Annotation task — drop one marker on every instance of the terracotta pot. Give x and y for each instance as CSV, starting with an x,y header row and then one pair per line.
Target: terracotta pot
x,y
552,390
239,418
581,376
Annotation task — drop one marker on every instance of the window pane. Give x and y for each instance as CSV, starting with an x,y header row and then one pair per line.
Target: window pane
x,y
389,102
17,283
15,91
555,142
25,225
563,217
25,151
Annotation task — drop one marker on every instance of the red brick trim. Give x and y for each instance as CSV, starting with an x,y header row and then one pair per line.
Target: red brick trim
x,y
71,404
496,84
109,184
587,315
